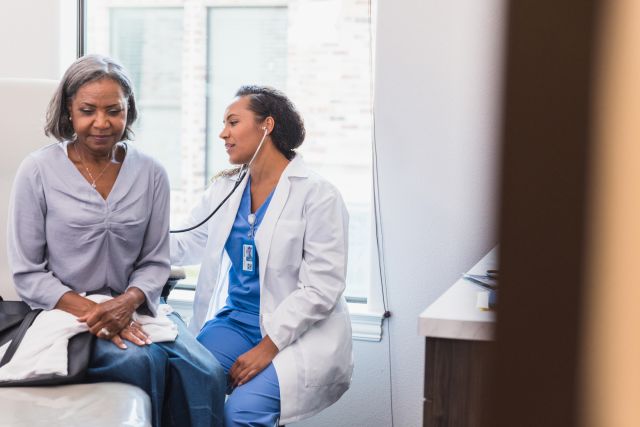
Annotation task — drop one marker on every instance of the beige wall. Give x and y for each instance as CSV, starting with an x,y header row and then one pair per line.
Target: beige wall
x,y
612,344
37,38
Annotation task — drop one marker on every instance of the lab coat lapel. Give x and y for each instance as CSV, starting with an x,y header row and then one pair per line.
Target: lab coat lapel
x,y
265,232
295,168
219,226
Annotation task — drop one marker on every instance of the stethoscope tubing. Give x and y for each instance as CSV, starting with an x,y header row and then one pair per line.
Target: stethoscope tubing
x,y
243,172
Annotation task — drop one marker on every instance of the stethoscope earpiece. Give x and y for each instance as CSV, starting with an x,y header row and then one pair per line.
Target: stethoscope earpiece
x,y
244,170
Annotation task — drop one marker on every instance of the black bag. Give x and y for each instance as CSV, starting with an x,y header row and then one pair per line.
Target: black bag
x,y
15,318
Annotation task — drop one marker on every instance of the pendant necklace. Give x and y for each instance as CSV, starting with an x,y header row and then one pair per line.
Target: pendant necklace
x,y
93,180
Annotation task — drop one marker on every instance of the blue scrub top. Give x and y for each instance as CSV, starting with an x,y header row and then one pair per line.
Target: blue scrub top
x,y
243,302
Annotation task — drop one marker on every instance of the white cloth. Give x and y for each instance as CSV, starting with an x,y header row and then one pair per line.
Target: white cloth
x,y
302,247
43,349
159,328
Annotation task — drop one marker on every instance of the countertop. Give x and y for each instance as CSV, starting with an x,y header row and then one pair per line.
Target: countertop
x,y
454,314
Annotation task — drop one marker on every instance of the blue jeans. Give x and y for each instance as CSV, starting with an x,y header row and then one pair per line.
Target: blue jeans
x,y
184,381
256,403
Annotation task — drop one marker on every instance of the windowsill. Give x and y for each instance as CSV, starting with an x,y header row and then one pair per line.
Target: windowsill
x,y
366,324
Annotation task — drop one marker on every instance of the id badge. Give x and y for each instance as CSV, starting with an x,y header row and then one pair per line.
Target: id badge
x,y
249,263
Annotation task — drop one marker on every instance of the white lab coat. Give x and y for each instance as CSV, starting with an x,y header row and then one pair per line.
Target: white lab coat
x,y
302,247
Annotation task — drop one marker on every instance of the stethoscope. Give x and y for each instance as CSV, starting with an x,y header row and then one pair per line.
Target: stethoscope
x,y
244,169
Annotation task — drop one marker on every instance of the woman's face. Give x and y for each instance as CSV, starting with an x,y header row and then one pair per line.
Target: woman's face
x,y
99,115
241,133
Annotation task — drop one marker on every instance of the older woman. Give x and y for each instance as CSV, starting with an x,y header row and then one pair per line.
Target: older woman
x,y
278,249
91,215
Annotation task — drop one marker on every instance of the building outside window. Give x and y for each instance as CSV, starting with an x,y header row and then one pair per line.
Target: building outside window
x,y
187,58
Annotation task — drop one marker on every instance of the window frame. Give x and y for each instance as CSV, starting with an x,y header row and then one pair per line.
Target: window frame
x,y
366,314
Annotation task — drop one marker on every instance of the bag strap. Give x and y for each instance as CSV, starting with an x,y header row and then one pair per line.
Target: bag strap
x,y
15,342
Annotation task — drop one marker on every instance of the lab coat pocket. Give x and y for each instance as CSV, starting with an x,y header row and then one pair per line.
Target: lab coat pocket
x,y
326,350
286,245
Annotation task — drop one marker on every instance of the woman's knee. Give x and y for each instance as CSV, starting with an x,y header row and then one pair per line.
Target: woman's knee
x,y
236,412
133,355
205,361
256,403
141,366
239,412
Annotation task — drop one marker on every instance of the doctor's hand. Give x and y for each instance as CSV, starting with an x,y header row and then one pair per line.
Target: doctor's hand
x,y
251,363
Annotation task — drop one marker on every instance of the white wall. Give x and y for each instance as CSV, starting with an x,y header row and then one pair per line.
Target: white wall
x,y
437,85
437,97
29,38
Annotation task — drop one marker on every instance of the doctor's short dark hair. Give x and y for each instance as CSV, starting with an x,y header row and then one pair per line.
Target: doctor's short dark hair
x,y
87,69
288,132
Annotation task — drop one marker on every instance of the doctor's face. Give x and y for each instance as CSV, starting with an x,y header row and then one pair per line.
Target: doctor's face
x,y
241,132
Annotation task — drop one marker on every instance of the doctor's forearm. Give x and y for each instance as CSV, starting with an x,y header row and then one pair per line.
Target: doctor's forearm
x,y
269,345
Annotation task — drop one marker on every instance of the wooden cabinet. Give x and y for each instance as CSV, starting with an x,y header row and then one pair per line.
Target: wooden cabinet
x,y
458,341
455,377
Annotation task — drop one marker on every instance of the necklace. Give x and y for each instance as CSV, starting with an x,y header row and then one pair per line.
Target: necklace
x,y
93,180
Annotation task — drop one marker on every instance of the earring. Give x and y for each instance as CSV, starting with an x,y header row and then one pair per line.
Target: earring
x,y
70,119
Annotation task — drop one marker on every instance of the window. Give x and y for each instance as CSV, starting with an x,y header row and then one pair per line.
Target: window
x,y
188,57
149,43
236,59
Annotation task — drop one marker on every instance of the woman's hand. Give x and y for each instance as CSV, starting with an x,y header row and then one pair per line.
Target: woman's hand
x,y
132,333
106,320
251,363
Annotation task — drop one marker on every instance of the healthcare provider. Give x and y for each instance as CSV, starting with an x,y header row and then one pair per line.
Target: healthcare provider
x,y
269,300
